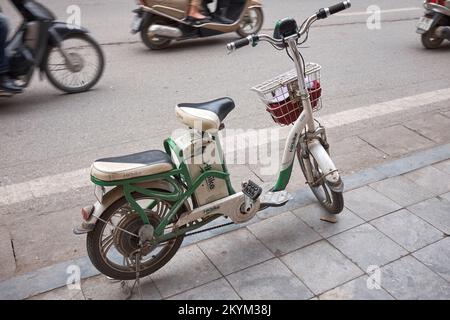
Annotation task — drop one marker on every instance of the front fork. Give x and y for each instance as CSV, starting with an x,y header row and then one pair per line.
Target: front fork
x,y
315,144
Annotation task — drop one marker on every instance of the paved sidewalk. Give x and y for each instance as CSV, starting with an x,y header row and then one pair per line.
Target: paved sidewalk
x,y
391,242
35,257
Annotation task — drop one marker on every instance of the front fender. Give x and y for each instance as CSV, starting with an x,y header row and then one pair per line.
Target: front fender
x,y
59,30
115,194
326,165
56,33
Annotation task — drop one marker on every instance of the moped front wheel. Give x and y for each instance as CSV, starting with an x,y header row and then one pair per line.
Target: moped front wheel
x,y
114,246
330,200
252,22
79,68
430,40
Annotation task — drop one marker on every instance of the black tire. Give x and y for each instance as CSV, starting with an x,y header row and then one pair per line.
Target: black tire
x,y
259,23
154,43
430,40
94,252
98,74
330,200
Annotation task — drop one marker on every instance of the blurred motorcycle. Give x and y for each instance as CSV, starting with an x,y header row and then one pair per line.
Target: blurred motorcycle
x,y
70,58
160,22
434,26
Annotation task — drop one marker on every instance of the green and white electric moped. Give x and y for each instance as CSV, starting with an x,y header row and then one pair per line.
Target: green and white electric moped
x,y
148,202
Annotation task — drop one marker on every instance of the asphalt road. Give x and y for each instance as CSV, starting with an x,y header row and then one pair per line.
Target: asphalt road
x,y
44,132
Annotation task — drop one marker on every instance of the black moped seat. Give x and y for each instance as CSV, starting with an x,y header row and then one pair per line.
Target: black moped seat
x,y
131,166
210,114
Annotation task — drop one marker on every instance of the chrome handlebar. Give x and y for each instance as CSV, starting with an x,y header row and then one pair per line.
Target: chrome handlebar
x,y
281,43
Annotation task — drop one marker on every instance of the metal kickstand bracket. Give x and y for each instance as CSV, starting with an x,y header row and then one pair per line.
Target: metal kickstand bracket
x,y
137,282
125,287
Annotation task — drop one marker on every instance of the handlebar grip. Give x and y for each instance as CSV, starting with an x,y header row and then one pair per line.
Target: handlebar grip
x,y
326,12
232,46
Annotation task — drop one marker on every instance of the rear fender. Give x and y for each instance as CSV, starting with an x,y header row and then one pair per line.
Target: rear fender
x,y
115,194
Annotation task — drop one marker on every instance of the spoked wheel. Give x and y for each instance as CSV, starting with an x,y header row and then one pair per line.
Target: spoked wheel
x,y
251,23
152,41
114,247
332,201
79,68
430,40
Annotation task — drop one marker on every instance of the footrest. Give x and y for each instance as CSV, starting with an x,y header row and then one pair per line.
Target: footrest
x,y
275,199
252,190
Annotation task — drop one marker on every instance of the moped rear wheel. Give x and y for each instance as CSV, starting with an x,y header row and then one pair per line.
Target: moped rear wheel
x,y
112,246
251,23
332,201
85,68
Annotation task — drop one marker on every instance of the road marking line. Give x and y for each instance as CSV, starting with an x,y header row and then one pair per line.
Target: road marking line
x,y
365,13
68,181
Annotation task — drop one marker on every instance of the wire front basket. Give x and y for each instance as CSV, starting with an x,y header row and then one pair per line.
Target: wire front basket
x,y
282,97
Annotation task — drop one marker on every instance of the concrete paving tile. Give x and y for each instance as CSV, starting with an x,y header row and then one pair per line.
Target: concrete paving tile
x,y
62,293
189,268
321,267
7,260
48,240
443,166
366,246
235,250
430,178
284,233
357,289
402,190
311,215
352,154
270,280
368,203
437,257
434,127
436,211
408,279
101,288
411,232
216,290
405,141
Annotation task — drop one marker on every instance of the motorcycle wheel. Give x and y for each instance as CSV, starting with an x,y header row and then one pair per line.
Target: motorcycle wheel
x,y
332,201
430,40
110,249
251,23
154,42
89,64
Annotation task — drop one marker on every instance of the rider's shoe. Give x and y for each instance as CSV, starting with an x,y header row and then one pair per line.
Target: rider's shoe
x,y
220,16
195,21
6,84
222,19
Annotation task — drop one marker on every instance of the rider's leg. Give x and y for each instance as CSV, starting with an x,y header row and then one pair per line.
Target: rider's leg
x,y
195,8
5,82
221,11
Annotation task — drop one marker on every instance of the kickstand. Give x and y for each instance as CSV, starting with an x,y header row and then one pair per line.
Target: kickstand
x,y
125,287
137,282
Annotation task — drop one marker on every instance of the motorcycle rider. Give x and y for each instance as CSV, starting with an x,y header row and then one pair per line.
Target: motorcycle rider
x,y
6,84
220,14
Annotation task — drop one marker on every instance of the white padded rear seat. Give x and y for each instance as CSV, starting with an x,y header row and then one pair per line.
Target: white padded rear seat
x,y
132,166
